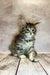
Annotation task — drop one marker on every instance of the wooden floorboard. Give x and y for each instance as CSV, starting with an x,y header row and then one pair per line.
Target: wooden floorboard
x,y
8,65
29,68
44,60
2,56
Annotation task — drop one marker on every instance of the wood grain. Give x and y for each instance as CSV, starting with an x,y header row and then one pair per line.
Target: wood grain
x,y
8,66
30,68
2,56
44,60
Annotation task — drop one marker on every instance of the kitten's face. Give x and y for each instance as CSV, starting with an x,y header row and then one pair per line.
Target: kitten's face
x,y
29,32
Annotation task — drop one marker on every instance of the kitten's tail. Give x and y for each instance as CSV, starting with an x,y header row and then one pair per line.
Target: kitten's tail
x,y
21,21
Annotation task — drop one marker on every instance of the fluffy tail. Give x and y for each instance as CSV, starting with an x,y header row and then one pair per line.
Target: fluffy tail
x,y
21,21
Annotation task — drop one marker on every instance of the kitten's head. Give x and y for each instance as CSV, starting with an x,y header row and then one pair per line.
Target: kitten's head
x,y
27,26
29,30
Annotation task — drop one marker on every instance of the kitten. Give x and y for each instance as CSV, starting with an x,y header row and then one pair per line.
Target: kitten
x,y
24,41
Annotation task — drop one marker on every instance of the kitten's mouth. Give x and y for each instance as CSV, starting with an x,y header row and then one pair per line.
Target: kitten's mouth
x,y
29,36
30,33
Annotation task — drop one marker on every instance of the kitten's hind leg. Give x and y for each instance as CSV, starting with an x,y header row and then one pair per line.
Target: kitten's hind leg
x,y
22,56
33,55
19,54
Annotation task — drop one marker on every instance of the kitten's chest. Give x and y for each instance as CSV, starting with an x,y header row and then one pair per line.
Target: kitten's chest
x,y
28,44
25,45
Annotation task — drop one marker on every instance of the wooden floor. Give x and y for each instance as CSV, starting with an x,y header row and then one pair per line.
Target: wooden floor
x,y
10,65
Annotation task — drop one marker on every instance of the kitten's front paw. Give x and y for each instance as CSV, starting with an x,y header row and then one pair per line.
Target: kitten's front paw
x,y
22,56
32,57
35,60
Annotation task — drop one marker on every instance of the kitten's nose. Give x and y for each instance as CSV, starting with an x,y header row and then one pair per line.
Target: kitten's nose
x,y
30,32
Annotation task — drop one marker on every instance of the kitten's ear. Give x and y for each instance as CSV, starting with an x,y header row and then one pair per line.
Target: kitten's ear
x,y
31,21
36,23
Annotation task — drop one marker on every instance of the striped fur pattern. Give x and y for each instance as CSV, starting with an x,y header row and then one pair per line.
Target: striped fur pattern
x,y
24,42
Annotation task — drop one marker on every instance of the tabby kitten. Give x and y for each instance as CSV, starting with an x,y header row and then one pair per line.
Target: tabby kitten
x,y
24,43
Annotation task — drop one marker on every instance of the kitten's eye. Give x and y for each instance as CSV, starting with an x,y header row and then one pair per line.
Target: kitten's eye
x,y
27,29
33,30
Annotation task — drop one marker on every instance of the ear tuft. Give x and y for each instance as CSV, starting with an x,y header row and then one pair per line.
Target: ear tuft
x,y
36,23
